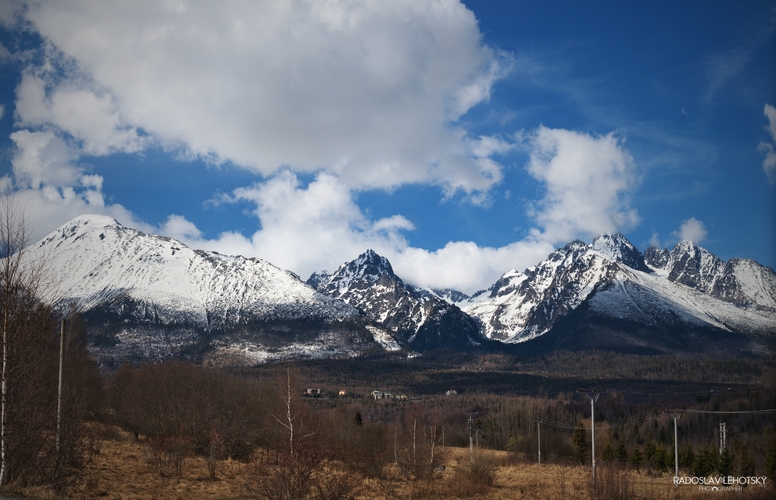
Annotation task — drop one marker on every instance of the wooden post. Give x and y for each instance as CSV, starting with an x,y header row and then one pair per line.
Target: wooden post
x,y
539,430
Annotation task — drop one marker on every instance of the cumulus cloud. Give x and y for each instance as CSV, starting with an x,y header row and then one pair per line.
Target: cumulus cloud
x,y
769,148
52,188
364,95
319,226
303,228
43,159
367,90
691,230
89,118
587,180
48,208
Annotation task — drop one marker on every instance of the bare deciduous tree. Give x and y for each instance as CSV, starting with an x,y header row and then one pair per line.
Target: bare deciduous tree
x,y
19,281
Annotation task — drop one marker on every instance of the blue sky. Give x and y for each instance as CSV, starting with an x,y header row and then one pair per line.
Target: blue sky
x,y
459,140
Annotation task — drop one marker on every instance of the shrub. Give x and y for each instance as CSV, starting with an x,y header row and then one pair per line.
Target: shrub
x,y
473,477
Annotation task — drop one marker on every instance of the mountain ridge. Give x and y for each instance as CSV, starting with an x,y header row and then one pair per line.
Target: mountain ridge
x,y
150,296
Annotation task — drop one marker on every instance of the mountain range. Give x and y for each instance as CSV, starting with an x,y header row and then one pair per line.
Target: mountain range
x,y
146,296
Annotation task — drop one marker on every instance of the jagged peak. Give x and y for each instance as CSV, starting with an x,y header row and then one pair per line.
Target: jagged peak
x,y
575,245
616,247
686,247
370,262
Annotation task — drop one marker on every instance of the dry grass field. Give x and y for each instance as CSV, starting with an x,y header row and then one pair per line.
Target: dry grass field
x,y
121,468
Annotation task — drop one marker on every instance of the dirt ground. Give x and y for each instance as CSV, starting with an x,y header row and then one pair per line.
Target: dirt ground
x,y
120,469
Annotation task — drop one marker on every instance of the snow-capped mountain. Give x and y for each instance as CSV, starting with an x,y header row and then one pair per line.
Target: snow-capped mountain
x,y
605,295
416,318
742,282
135,289
149,296
523,305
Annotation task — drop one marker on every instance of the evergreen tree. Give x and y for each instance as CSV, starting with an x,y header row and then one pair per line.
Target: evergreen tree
x,y
725,462
637,458
660,459
622,453
705,463
686,457
746,466
580,442
608,453
649,454
770,460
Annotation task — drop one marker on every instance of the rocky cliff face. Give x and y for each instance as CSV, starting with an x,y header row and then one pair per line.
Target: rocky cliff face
x,y
742,282
416,318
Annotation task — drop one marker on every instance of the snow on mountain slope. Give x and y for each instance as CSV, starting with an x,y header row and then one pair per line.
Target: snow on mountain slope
x,y
620,286
521,306
753,285
147,296
96,262
742,282
657,301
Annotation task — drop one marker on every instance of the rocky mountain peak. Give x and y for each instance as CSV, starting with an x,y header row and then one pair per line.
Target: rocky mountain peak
x,y
693,266
371,264
617,248
414,317
364,271
656,257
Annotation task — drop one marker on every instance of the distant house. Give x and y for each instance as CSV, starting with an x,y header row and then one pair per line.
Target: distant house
x,y
313,392
342,392
451,392
381,395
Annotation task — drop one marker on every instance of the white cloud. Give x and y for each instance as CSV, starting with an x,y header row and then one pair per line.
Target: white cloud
x,y
466,266
365,94
310,228
181,229
587,182
52,189
90,119
366,90
306,229
319,226
48,208
769,148
691,230
42,158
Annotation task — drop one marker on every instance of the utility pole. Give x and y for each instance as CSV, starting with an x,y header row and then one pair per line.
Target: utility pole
x,y
676,415
539,442
59,390
721,437
471,435
592,399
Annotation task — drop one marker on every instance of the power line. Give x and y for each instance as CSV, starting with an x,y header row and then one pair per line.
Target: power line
x,y
773,410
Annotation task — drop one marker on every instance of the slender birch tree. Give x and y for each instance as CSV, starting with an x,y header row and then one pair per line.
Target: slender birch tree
x,y
18,283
